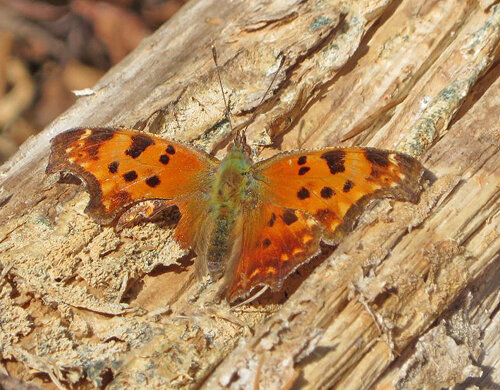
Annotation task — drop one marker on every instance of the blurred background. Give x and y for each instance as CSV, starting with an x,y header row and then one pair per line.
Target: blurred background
x,y
49,48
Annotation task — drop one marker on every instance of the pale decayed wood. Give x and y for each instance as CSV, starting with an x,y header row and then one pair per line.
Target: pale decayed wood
x,y
408,300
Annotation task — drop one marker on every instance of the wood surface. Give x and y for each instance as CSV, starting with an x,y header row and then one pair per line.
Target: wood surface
x,y
408,300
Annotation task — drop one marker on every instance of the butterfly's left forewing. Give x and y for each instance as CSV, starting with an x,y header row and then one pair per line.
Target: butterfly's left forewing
x,y
334,184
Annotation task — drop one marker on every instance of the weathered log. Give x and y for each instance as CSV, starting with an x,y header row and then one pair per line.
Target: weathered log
x,y
408,300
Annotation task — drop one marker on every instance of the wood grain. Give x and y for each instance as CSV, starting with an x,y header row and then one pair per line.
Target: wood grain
x,y
408,300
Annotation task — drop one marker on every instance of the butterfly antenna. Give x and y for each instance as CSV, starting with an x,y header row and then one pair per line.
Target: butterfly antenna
x,y
265,93
228,113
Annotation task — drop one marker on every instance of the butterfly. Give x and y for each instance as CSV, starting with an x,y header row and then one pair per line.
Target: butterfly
x,y
251,224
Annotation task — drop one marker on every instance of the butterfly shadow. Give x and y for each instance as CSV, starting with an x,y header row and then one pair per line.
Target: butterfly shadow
x,y
163,218
181,266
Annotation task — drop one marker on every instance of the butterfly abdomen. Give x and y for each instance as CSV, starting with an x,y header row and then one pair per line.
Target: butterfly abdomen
x,y
219,243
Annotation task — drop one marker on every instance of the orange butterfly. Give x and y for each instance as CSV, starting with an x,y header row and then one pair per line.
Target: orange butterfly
x,y
252,224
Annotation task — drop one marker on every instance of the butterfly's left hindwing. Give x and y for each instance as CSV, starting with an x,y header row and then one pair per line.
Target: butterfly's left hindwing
x,y
275,241
121,167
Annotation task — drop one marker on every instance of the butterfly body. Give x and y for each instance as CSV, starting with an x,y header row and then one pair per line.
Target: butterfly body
x,y
249,224
233,190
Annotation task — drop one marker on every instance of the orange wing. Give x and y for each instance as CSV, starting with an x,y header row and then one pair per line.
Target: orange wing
x,y
334,184
276,240
314,195
121,167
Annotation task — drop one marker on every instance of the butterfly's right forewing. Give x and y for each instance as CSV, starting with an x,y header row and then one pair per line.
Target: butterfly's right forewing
x,y
122,167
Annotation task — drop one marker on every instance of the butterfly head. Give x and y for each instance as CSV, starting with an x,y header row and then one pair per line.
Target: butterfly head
x,y
238,157
240,143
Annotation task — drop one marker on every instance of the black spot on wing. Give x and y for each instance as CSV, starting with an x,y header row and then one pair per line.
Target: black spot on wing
x,y
303,193
153,181
164,159
377,157
130,176
170,149
302,160
289,217
272,220
266,242
113,167
139,144
304,170
327,192
335,160
348,186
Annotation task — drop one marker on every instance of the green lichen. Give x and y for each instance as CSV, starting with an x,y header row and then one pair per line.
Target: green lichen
x,y
320,22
